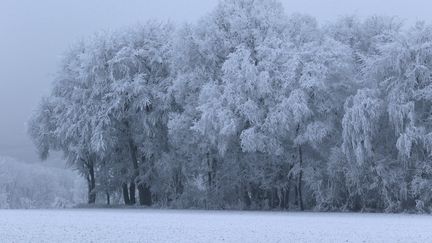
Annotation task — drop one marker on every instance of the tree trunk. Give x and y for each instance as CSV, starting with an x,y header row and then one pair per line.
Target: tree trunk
x,y
287,196
108,198
276,198
285,193
125,194
300,179
144,193
246,197
134,158
145,196
288,189
91,184
132,188
209,172
179,185
133,150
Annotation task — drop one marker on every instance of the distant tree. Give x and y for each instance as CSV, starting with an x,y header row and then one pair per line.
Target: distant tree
x,y
36,186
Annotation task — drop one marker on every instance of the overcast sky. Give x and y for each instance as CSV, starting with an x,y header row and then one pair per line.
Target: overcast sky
x,y
33,35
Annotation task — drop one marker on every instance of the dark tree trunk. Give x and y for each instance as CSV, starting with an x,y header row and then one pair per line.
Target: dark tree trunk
x,y
287,196
132,188
179,184
246,197
209,172
300,178
134,158
288,189
133,150
144,195
282,199
276,198
125,194
108,199
91,184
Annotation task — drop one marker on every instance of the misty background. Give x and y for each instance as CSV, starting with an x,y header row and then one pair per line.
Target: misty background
x,y
34,34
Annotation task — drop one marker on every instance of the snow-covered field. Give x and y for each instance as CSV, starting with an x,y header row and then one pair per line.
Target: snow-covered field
x,y
127,225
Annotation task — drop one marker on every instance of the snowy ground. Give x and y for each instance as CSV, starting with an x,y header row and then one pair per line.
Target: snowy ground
x,y
124,225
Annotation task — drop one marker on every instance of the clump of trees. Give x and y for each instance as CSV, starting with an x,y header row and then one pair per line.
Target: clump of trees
x,y
249,108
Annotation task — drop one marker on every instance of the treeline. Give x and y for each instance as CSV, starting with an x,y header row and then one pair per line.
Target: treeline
x,y
34,186
250,109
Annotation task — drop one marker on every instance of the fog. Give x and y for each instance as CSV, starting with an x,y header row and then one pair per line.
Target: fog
x,y
33,35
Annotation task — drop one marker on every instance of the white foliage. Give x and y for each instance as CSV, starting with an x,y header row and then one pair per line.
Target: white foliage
x,y
360,123
314,134
297,104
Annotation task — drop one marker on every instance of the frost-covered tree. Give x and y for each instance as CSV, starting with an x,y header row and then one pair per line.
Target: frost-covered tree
x,y
63,121
132,115
368,170
401,73
109,97
222,51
